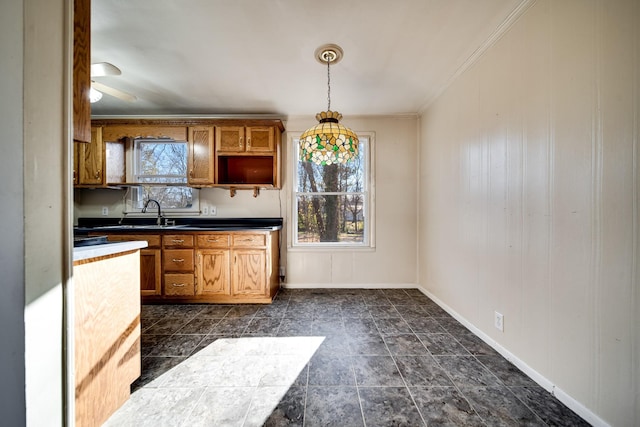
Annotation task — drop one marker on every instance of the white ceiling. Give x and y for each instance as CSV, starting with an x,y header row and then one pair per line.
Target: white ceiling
x,y
257,56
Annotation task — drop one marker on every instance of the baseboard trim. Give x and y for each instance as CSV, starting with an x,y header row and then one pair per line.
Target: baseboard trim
x,y
544,382
349,286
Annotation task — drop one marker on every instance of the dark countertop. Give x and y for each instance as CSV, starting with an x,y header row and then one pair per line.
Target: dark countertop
x,y
148,224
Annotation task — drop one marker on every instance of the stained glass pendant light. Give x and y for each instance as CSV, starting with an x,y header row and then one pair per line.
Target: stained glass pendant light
x,y
328,142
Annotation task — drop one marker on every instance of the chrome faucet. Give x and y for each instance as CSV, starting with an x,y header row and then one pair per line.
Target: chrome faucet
x,y
146,204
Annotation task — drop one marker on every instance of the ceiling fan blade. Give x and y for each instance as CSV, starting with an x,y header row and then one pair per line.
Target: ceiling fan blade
x,y
100,69
113,92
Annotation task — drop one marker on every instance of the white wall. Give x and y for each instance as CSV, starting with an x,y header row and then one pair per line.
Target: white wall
x,y
393,261
12,397
47,183
34,176
529,199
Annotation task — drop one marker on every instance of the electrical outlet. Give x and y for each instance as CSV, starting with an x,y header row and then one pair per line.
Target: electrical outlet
x,y
105,210
205,210
498,321
213,211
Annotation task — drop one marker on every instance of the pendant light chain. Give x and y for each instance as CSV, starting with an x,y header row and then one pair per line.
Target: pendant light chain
x,y
328,82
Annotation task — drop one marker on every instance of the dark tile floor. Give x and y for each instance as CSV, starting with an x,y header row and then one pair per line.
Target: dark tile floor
x,y
385,358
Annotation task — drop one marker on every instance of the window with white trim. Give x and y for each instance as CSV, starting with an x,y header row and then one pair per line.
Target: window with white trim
x,y
158,162
332,203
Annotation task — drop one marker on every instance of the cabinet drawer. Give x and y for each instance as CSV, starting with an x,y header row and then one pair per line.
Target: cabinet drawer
x,y
177,260
248,240
213,241
179,284
152,240
178,240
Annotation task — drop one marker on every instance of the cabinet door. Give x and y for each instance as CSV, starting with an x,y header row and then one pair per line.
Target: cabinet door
x,y
260,139
91,160
230,139
81,70
200,161
76,164
150,272
213,272
248,272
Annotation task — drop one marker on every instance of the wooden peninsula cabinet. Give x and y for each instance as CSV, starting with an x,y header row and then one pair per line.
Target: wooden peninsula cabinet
x,y
106,319
150,261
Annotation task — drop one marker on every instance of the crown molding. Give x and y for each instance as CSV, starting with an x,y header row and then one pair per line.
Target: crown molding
x,y
497,34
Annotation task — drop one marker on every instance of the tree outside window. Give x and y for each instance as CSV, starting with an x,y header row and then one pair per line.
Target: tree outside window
x,y
162,162
332,201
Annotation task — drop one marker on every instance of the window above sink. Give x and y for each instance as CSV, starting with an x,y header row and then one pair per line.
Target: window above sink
x,y
162,164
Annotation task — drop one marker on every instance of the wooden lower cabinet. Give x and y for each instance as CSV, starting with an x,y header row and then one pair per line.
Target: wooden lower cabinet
x,y
179,284
237,267
248,273
213,272
150,272
216,267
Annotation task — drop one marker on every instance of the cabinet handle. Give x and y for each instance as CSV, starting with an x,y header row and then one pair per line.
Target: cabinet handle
x,y
191,173
179,285
212,240
248,142
97,175
178,240
177,259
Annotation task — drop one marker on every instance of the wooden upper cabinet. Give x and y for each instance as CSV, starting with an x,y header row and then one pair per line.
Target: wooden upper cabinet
x,y
230,139
119,132
240,139
91,160
81,70
200,161
259,139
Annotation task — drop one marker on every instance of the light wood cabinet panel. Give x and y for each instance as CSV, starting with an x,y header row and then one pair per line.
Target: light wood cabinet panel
x,y
259,139
91,160
248,240
178,260
200,161
240,139
113,133
248,272
76,163
230,139
81,70
150,261
177,240
153,240
150,272
179,284
213,272
213,241
106,318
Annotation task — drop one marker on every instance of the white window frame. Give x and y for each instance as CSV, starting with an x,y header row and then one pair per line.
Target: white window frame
x,y
368,210
133,194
